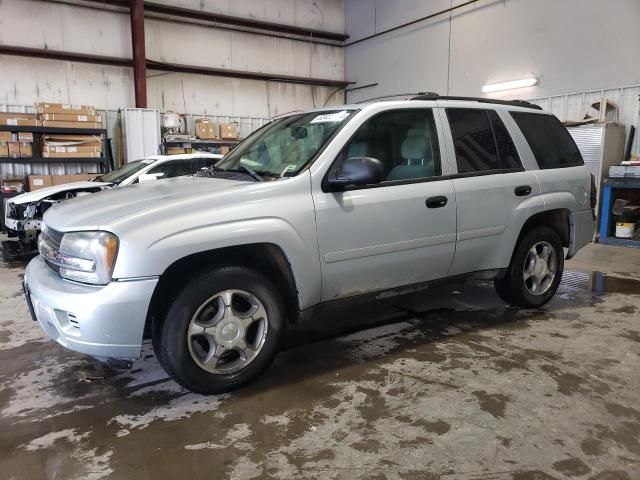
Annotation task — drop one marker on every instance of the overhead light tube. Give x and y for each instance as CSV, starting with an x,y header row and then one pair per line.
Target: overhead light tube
x,y
513,84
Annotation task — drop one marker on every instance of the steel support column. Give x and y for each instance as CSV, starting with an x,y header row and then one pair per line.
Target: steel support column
x,y
139,58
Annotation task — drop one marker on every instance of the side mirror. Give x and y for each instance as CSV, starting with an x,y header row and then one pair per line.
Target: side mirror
x,y
149,177
356,171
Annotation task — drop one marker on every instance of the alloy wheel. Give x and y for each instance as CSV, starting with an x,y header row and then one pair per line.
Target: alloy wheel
x,y
540,267
227,331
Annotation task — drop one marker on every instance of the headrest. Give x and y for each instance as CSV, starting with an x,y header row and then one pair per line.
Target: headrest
x,y
414,146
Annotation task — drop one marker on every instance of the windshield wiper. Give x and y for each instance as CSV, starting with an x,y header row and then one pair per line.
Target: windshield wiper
x,y
213,169
246,170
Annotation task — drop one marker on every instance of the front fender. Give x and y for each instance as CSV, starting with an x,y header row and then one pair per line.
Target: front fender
x,y
156,257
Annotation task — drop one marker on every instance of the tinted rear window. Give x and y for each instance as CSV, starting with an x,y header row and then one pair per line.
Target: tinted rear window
x,y
550,142
473,140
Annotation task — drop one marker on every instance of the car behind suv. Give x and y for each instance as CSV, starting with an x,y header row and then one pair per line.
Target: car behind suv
x,y
23,213
315,208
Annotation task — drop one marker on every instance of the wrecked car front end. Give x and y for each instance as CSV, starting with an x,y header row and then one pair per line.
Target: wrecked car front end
x,y
23,216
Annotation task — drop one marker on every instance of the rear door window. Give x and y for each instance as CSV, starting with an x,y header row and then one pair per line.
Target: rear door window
x,y
481,141
550,142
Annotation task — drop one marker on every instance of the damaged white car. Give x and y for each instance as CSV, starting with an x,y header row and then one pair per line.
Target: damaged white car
x,y
23,213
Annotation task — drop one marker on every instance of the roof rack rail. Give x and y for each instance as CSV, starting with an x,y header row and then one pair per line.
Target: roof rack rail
x,y
513,103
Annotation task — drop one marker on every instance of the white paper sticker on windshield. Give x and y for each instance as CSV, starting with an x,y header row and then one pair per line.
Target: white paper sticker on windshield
x,y
331,117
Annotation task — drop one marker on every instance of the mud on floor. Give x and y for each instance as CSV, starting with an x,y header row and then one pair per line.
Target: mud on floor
x,y
447,383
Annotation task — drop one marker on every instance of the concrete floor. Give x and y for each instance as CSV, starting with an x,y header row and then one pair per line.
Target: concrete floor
x,y
446,384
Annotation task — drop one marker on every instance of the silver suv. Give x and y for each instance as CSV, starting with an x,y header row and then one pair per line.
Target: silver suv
x,y
315,208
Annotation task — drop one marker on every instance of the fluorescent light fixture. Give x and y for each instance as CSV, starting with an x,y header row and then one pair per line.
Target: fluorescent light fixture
x,y
498,87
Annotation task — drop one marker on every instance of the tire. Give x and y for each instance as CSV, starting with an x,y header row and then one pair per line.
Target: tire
x,y
515,289
194,330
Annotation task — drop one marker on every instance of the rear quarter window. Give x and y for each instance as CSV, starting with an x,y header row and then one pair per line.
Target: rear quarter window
x,y
550,142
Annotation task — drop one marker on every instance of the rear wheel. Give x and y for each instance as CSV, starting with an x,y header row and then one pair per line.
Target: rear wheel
x,y
222,330
535,270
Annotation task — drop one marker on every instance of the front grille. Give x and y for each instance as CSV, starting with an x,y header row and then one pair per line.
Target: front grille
x,y
52,238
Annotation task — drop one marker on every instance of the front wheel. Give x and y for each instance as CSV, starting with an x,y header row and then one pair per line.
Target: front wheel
x,y
222,330
535,270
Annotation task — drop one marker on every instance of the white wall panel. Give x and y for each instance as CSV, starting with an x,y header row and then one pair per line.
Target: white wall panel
x,y
315,14
409,60
570,45
24,81
202,46
35,24
206,95
39,24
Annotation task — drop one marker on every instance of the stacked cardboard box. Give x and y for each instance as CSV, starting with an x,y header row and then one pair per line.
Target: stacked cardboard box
x,y
5,138
62,115
16,145
19,119
25,140
71,146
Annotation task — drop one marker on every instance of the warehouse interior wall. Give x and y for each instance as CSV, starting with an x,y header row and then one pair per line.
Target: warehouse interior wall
x,y
569,45
101,31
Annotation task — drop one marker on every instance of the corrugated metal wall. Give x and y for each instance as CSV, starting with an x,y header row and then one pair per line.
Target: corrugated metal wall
x,y
574,105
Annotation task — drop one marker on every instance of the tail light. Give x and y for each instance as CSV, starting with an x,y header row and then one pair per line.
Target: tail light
x,y
594,192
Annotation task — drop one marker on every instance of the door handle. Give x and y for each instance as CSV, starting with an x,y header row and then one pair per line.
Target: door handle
x,y
522,190
436,202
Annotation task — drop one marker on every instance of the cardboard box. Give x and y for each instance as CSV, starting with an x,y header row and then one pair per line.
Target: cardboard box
x,y
224,149
65,108
71,154
28,116
26,149
71,139
58,124
175,151
14,149
4,148
13,185
36,182
19,122
64,117
6,137
62,179
229,131
24,137
205,129
86,148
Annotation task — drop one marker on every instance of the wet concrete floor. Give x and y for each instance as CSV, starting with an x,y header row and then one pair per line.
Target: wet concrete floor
x,y
445,384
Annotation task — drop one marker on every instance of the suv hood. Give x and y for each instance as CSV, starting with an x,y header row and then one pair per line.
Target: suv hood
x,y
43,193
132,203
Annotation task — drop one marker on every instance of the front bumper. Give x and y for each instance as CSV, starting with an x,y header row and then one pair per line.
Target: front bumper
x,y
102,321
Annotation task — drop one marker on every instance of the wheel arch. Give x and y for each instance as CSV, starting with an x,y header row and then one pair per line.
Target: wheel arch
x,y
266,258
557,219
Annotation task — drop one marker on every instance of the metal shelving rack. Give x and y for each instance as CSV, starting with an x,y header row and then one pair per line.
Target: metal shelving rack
x,y
606,220
214,143
105,162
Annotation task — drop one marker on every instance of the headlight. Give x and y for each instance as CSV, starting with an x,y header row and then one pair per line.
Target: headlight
x,y
86,257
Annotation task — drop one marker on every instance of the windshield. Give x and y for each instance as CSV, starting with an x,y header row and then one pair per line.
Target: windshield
x,y
285,146
124,172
